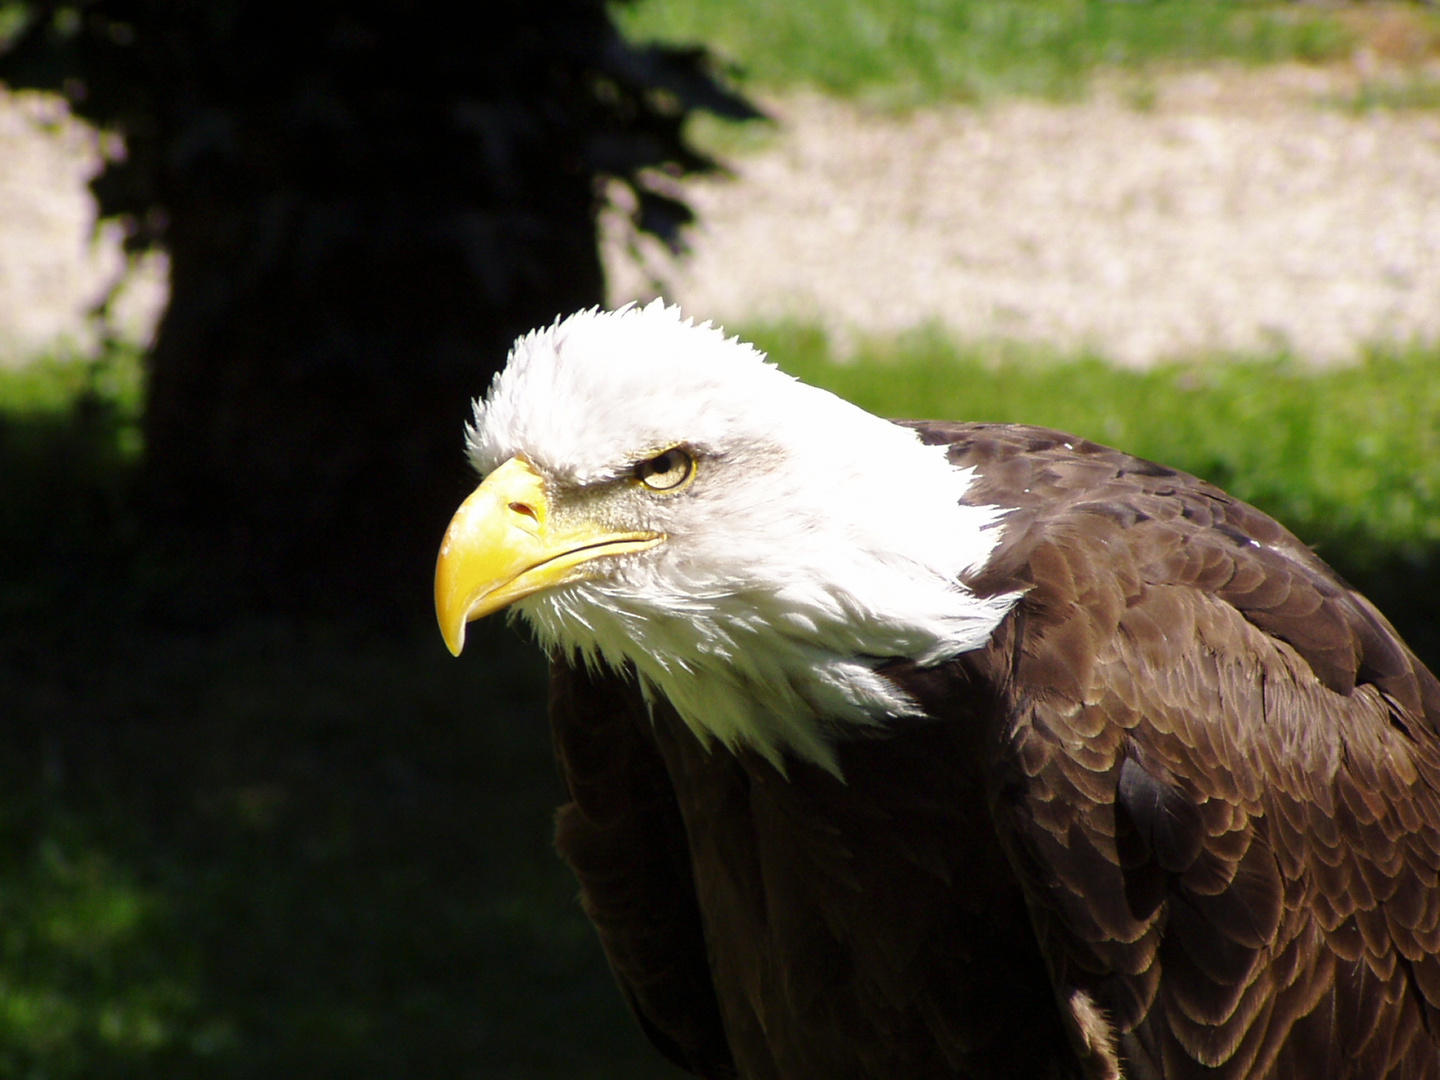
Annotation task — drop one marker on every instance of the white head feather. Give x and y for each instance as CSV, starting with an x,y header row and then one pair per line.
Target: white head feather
x,y
815,542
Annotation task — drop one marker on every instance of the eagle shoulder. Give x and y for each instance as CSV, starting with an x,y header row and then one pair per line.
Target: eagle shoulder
x,y
1215,771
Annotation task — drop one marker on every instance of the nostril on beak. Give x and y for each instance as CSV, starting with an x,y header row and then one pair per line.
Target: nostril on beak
x,y
526,509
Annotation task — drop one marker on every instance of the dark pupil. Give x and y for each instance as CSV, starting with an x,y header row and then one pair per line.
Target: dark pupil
x,y
665,468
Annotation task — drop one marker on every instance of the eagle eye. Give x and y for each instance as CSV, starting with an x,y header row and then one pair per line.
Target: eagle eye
x,y
667,471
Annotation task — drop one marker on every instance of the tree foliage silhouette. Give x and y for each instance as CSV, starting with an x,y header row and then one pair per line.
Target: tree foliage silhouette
x,y
363,204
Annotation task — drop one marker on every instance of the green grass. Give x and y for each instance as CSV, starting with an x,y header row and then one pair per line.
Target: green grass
x,y
231,848
1408,92
913,52
51,386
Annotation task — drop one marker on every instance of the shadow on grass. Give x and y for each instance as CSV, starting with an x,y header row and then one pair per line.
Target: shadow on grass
x,y
249,849
235,848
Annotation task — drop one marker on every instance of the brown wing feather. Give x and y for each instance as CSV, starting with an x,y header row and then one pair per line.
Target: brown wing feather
x,y
622,835
843,930
1205,766
1217,775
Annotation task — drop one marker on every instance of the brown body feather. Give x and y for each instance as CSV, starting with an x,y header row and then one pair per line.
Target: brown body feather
x,y
1179,818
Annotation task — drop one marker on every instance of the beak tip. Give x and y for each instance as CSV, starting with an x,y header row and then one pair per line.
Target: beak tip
x,y
454,637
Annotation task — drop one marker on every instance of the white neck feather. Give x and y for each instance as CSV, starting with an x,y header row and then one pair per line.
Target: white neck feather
x,y
816,543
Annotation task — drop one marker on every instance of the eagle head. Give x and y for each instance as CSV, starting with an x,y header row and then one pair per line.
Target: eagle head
x,y
660,499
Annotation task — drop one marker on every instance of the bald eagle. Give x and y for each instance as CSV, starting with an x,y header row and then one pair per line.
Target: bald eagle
x,y
916,750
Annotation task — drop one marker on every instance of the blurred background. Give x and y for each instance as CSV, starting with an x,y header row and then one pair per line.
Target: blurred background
x,y
256,259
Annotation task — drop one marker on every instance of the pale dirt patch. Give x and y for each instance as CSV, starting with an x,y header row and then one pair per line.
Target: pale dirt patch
x,y
54,265
1220,210
1237,211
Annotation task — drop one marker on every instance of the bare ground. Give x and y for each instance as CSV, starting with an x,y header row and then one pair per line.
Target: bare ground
x,y
54,264
1223,210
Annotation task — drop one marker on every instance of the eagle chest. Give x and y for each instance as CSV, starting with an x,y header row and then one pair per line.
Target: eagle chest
x,y
868,927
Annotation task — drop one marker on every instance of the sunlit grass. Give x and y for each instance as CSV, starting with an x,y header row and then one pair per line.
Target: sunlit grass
x,y
1395,94
911,52
51,383
52,388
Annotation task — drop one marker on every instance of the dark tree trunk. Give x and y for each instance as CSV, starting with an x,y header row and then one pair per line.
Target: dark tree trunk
x,y
312,376
364,204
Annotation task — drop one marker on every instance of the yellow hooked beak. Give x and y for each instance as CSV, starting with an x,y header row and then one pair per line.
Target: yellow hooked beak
x,y
501,547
